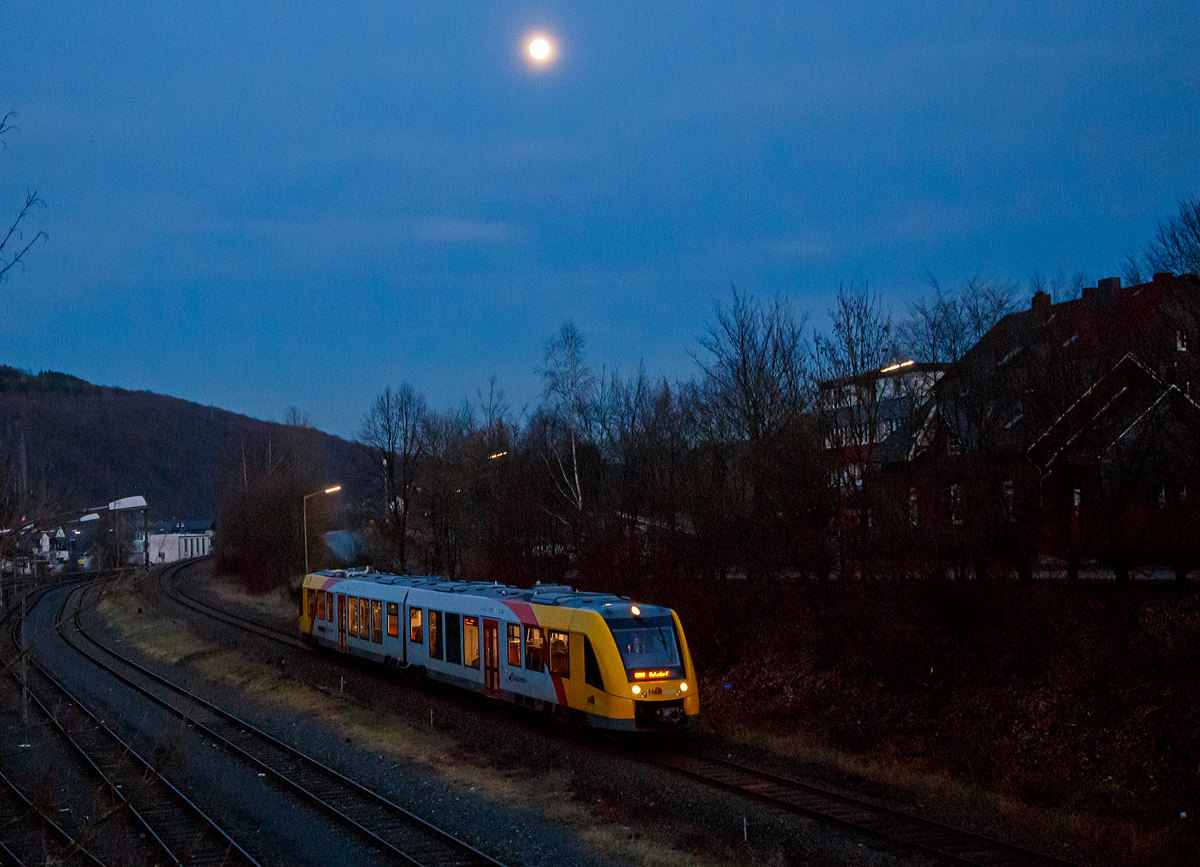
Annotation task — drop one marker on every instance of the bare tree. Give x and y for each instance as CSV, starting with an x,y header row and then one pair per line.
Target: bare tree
x,y
568,390
13,246
942,329
391,435
1175,248
754,393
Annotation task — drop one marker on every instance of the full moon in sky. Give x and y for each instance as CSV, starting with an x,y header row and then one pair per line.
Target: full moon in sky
x,y
541,50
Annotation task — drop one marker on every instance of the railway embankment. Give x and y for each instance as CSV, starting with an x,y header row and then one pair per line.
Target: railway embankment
x,y
1067,710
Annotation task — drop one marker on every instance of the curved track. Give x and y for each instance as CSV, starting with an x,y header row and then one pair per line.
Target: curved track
x,y
898,831
174,829
388,826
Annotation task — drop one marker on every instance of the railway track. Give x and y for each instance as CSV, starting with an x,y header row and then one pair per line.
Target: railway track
x,y
28,836
387,825
896,830
168,825
173,590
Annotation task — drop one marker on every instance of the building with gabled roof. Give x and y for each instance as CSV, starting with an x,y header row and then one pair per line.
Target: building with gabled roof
x,y
980,481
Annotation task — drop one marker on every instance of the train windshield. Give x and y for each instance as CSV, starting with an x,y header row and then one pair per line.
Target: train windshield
x,y
646,643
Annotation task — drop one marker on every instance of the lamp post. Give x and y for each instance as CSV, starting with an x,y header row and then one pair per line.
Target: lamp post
x,y
304,509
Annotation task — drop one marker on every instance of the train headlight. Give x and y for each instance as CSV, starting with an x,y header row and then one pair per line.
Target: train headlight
x,y
683,686
637,690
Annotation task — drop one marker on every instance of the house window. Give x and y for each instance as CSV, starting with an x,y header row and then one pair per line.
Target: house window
x,y
1181,340
955,498
952,447
1009,495
912,506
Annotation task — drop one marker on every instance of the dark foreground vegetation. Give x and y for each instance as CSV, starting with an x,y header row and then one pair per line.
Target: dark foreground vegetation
x,y
1071,708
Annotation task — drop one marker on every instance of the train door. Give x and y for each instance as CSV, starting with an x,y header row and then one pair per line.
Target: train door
x,y
491,655
341,621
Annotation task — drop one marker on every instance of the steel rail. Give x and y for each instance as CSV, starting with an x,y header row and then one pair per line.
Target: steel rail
x,y
24,843
389,825
181,597
167,815
896,828
109,758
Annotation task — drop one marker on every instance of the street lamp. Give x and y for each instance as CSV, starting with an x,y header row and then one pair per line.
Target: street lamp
x,y
304,509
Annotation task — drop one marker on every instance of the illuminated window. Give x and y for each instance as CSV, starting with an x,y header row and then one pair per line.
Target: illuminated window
x,y
311,597
320,605
352,602
514,644
435,634
377,621
534,648
470,642
415,633
393,619
364,619
560,660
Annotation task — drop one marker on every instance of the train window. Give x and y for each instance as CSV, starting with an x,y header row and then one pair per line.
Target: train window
x,y
415,633
591,666
453,639
648,642
560,662
514,644
393,619
377,621
352,604
534,649
312,601
470,642
364,619
435,634
320,605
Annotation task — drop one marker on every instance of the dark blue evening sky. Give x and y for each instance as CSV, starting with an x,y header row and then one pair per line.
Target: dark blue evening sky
x,y
259,205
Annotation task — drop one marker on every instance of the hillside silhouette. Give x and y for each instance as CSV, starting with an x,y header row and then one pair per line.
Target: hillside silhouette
x,y
75,445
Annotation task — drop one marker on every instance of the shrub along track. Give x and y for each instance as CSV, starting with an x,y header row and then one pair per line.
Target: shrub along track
x,y
898,832
396,832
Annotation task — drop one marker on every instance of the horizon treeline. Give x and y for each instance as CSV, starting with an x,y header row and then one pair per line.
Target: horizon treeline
x,y
612,481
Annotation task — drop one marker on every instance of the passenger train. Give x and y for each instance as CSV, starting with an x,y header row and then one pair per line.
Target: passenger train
x,y
591,659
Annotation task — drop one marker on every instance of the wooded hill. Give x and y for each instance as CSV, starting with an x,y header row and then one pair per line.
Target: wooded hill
x,y
68,444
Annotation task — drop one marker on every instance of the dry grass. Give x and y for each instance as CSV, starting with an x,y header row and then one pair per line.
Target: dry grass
x,y
1054,829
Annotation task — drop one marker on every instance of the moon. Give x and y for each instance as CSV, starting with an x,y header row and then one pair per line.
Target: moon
x,y
541,49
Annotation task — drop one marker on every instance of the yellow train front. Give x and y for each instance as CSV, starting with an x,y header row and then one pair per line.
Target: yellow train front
x,y
592,659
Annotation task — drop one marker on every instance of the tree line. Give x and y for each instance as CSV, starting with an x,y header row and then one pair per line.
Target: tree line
x,y
620,481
